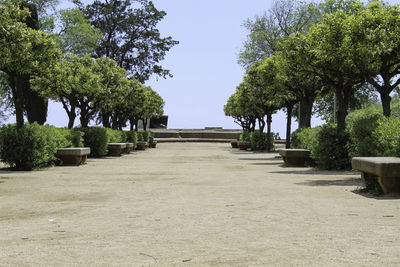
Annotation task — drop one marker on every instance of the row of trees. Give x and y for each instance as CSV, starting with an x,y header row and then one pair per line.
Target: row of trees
x,y
299,52
93,59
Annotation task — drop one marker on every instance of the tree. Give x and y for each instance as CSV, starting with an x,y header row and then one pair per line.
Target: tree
x,y
153,107
74,82
25,51
265,32
377,31
332,56
76,35
130,35
114,83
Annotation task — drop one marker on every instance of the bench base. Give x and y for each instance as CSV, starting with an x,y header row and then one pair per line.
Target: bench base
x,y
294,157
380,172
73,156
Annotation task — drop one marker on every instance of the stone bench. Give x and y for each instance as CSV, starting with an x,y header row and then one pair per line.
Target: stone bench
x,y
74,155
382,170
116,149
294,157
128,148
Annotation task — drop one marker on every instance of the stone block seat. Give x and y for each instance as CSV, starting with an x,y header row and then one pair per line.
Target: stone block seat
x,y
294,157
116,149
382,170
128,148
73,155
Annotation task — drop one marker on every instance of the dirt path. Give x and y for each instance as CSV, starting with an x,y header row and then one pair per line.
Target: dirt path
x,y
193,204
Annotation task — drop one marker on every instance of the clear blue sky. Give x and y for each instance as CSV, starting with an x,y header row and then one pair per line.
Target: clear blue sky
x,y
204,64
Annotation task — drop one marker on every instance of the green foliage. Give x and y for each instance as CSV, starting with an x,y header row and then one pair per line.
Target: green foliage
x,y
76,35
115,136
305,138
130,35
245,136
132,137
360,126
330,151
387,136
259,141
30,146
143,136
73,137
96,139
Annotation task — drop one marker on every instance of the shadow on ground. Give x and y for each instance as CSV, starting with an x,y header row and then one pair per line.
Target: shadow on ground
x,y
308,171
371,194
344,182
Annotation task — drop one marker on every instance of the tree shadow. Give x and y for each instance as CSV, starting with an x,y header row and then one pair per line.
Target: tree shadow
x,y
308,171
362,191
267,163
342,182
259,159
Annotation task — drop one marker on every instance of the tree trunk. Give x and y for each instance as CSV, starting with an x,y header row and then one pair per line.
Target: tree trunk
x,y
306,105
34,105
269,141
105,117
289,108
385,99
18,99
261,124
343,96
71,120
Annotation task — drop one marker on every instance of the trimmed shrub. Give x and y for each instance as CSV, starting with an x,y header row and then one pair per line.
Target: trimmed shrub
x,y
31,146
143,136
115,136
132,137
95,138
73,137
330,151
387,136
360,125
258,141
305,138
245,136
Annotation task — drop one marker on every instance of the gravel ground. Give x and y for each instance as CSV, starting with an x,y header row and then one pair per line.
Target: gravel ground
x,y
194,204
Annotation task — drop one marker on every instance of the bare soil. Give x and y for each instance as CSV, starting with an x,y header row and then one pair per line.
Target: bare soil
x,y
194,204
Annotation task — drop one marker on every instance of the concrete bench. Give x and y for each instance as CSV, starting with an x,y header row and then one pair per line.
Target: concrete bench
x,y
128,148
294,157
116,149
244,145
382,170
74,155
141,145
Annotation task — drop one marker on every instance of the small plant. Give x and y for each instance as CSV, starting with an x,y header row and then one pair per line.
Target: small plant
x,y
31,146
258,141
95,138
143,136
330,151
132,137
387,136
245,137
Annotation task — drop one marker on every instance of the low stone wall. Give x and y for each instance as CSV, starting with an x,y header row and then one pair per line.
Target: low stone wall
x,y
197,134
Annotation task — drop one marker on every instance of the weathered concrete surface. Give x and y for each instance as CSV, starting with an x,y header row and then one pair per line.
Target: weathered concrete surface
x,y
196,204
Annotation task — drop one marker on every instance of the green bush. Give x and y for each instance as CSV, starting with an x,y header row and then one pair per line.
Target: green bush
x,y
95,138
258,141
143,136
305,138
387,136
245,136
73,137
330,152
31,146
132,137
360,125
115,136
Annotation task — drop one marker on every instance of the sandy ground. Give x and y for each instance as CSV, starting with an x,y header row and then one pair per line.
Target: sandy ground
x,y
194,204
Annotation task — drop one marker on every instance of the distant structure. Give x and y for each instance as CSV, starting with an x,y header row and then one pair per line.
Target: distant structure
x,y
160,123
